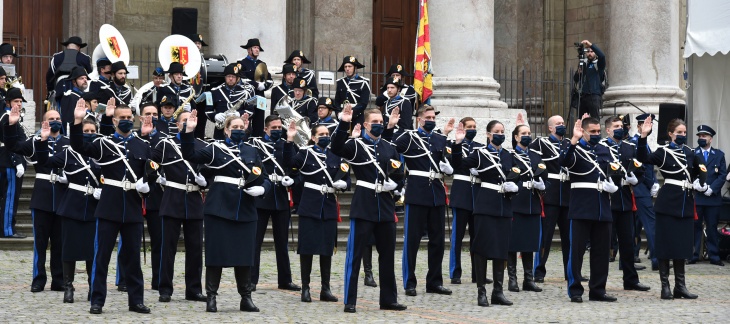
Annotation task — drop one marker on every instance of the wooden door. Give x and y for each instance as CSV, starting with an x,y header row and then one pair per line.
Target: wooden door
x,y
394,37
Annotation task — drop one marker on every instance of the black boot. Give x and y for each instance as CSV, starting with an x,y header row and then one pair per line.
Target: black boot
x,y
479,266
305,262
512,272
664,278
498,297
367,264
680,289
528,283
243,283
69,269
325,266
212,281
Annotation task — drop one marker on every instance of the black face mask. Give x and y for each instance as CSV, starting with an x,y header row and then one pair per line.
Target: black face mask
x,y
55,125
680,140
275,134
237,135
594,139
701,142
323,141
525,140
618,134
125,125
470,134
497,139
376,129
560,130
429,125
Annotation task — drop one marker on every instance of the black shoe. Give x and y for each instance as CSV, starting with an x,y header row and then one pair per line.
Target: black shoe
x,y
369,280
611,259
253,287
639,267
17,235
717,263
210,305
540,280
638,286
637,259
529,285
693,261
500,299
122,288
393,306
164,298
247,305
306,296
36,288
95,309
487,281
350,308
196,297
441,290
139,308
290,286
603,298
410,292
584,279
576,299
456,281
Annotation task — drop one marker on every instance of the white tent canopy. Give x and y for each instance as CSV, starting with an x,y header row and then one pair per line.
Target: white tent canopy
x,y
708,27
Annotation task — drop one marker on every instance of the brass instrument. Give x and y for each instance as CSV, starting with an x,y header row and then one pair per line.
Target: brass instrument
x,y
288,114
234,109
16,81
261,72
180,109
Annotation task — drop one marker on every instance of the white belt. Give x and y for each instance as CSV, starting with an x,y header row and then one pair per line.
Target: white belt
x,y
378,187
681,183
125,185
87,190
587,185
275,177
527,184
559,176
467,178
240,182
50,177
324,189
187,187
426,174
492,186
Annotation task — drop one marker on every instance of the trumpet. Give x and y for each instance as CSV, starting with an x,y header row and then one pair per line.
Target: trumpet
x,y
13,83
180,109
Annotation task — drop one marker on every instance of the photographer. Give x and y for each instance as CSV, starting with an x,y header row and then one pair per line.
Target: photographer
x,y
589,85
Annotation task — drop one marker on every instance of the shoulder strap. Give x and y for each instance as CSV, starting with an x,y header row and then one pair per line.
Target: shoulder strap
x,y
371,158
261,145
322,167
123,158
235,157
177,150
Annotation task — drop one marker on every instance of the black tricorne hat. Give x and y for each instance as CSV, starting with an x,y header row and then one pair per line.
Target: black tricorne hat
x,y
104,61
116,66
704,129
7,49
14,93
352,60
299,54
253,42
2,71
299,83
176,67
197,38
327,102
88,96
398,82
166,102
288,68
397,68
74,40
233,68
78,71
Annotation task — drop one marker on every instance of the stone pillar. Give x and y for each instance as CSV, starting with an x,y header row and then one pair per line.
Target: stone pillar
x,y
643,56
85,17
300,27
462,43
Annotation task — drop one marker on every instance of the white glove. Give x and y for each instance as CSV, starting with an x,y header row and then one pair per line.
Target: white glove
x,y
142,186
389,185
474,172
728,177
445,167
697,186
654,190
510,186
708,192
97,193
255,191
401,192
161,180
539,185
61,178
287,181
220,117
340,184
187,108
260,86
200,180
631,179
19,170
609,186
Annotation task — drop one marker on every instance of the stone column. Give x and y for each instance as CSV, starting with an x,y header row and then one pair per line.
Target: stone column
x,y
643,55
300,27
462,44
85,17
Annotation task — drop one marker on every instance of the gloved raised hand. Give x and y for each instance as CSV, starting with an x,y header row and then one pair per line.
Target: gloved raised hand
x,y
631,179
287,181
510,186
141,186
654,189
609,186
97,193
539,185
340,184
255,191
220,117
389,185
445,167
200,180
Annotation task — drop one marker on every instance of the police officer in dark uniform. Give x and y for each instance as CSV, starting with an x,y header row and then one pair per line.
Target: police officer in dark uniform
x,y
289,72
177,91
228,95
353,88
63,62
325,108
556,196
230,213
181,206
373,208
423,151
166,123
392,89
297,58
674,203
158,79
710,202
77,84
622,158
406,91
13,167
305,105
644,192
104,69
590,210
117,88
122,157
274,206
248,66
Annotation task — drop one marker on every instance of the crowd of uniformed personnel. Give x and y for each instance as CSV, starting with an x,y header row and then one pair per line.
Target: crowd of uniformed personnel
x,y
167,174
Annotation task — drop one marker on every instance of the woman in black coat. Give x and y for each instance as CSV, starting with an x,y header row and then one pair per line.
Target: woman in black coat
x,y
230,210
324,174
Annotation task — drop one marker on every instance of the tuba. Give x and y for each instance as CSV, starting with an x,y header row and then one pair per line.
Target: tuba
x,y
178,48
288,115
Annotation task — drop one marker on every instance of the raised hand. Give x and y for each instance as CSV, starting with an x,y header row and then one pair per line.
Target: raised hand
x,y
449,126
245,120
577,131
45,130
110,106
460,133
346,114
291,132
191,122
394,117
14,115
356,131
520,119
147,126
646,127
80,111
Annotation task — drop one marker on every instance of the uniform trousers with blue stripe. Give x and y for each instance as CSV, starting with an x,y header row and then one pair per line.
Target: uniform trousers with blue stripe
x,y
104,242
47,228
599,234
360,234
461,218
10,187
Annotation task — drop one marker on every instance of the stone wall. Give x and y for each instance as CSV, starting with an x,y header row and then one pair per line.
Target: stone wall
x,y
343,27
585,19
148,22
518,33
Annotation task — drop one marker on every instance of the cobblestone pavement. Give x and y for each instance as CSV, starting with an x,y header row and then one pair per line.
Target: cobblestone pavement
x,y
712,283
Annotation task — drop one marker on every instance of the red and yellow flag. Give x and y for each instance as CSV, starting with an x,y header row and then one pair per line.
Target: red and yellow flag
x,y
422,70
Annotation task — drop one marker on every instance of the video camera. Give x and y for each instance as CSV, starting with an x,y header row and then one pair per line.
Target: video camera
x,y
581,53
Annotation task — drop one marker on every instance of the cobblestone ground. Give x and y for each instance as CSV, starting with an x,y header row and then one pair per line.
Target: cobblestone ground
x,y
712,283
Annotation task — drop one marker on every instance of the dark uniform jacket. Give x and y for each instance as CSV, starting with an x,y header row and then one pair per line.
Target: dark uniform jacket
x,y
716,173
463,193
249,65
272,156
557,192
8,159
648,178
178,203
80,170
310,162
224,158
306,107
407,92
489,162
362,154
123,93
527,200
153,199
415,146
406,112
587,165
177,94
310,77
355,90
68,105
57,61
224,98
279,92
329,122
95,85
623,152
